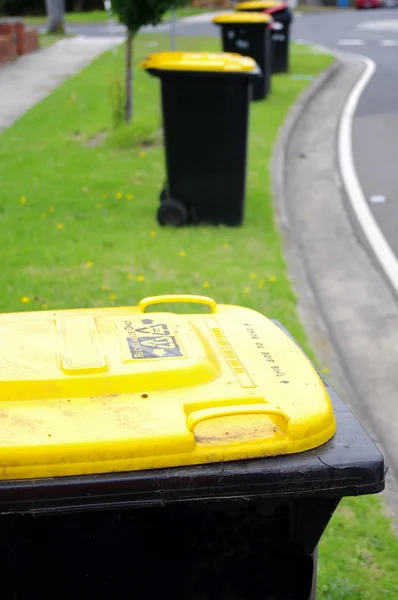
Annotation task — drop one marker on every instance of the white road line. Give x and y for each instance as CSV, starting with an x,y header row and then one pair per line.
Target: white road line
x,y
372,231
382,25
377,199
388,43
350,42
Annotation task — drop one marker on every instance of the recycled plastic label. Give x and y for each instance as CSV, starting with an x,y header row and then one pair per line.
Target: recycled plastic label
x,y
149,339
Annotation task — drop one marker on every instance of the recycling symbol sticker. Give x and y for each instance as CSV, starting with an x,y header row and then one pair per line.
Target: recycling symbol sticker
x,y
149,340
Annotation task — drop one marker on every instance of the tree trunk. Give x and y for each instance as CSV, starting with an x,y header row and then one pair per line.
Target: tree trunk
x,y
56,16
129,76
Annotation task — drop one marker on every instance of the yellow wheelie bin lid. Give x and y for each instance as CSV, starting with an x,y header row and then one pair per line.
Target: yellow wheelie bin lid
x,y
121,389
250,5
243,17
222,62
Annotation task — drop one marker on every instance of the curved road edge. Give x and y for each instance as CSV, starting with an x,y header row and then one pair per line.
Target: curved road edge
x,y
344,302
375,238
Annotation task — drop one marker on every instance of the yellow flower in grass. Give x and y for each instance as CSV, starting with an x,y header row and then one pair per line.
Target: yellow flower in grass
x,y
129,196
25,299
112,296
119,195
44,306
140,278
89,264
253,276
142,154
153,233
272,278
60,226
246,290
129,276
23,200
206,284
183,253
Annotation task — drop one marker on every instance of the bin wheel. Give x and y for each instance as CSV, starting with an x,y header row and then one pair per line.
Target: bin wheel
x,y
172,212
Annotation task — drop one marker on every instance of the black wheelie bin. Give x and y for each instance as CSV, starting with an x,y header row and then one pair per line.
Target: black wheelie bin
x,y
249,33
280,30
154,454
205,102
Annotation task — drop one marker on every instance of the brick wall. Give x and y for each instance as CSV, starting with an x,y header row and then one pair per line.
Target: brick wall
x,y
22,40
8,48
29,41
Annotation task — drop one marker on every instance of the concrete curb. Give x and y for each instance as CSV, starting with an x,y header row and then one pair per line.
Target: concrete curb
x,y
309,308
311,311
278,161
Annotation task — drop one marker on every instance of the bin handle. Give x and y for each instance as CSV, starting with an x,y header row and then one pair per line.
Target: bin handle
x,y
207,414
187,298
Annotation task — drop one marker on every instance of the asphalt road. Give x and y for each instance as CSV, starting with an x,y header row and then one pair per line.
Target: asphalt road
x,y
371,33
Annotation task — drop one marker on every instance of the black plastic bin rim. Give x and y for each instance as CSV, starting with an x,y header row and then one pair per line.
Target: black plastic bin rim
x,y
348,465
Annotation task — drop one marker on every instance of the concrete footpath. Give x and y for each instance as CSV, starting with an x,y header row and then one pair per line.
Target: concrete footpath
x,y
31,78
348,309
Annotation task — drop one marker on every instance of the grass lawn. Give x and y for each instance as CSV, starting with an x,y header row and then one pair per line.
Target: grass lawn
x,y
46,40
189,12
77,215
93,16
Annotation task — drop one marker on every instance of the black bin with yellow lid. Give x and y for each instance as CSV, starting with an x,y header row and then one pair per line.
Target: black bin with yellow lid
x,y
205,102
249,34
282,18
195,455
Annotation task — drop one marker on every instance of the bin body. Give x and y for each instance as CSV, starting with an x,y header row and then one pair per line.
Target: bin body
x,y
280,32
246,530
241,455
250,550
251,39
280,35
205,122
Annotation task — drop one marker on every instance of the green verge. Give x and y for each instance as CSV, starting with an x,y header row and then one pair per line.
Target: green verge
x,y
101,16
46,39
75,18
77,212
